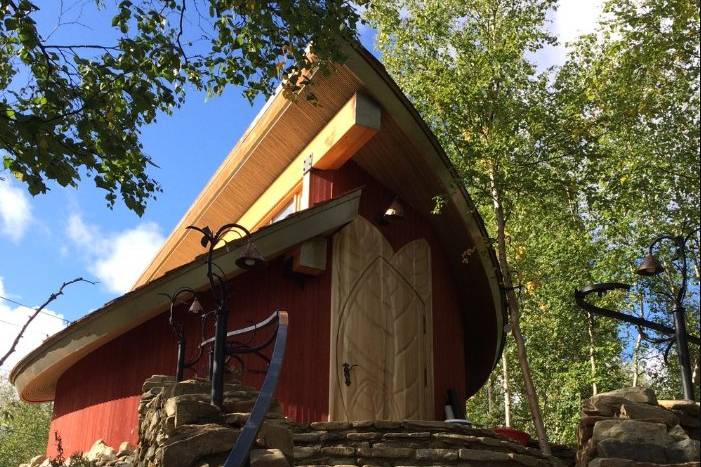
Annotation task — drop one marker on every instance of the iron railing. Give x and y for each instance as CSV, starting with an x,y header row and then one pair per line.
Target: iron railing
x,y
239,455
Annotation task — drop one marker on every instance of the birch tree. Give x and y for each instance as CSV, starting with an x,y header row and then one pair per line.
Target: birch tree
x,y
464,65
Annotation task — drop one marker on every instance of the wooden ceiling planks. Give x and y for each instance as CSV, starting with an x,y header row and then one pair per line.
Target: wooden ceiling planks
x,y
280,132
391,158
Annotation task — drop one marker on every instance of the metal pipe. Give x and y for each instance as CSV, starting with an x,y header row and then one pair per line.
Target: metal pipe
x,y
219,356
181,360
683,350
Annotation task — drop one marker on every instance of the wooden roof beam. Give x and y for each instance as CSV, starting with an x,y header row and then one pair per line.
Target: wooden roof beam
x,y
347,132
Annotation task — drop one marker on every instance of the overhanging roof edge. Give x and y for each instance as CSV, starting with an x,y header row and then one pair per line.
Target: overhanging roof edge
x,y
47,362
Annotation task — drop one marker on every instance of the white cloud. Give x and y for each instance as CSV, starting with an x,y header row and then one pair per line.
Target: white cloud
x,y
13,317
15,210
571,19
80,232
116,259
576,17
129,254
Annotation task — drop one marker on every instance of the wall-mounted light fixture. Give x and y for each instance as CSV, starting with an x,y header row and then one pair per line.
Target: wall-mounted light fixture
x,y
395,212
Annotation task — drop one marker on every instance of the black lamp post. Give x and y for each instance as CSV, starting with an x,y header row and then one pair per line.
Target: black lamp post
x,y
179,329
249,259
651,266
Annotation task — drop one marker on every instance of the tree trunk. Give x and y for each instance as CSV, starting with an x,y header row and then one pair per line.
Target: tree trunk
x,y
490,397
592,359
507,389
636,360
636,348
514,315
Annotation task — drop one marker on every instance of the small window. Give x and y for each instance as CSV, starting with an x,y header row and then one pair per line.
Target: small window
x,y
286,210
290,204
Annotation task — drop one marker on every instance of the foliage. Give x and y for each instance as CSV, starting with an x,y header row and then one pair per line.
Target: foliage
x,y
627,105
589,161
24,428
71,107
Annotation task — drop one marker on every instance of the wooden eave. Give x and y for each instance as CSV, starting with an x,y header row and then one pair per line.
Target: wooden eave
x,y
36,375
278,134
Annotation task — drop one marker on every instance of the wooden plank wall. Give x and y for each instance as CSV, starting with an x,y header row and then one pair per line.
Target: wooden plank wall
x,y
98,397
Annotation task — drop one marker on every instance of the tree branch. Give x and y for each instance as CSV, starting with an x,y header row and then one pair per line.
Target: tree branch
x,y
38,310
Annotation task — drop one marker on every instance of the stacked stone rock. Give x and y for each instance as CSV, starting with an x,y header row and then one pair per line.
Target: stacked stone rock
x,y
178,427
630,427
408,443
99,455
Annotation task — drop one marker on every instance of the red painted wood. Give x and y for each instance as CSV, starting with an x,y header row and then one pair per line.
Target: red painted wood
x,y
98,397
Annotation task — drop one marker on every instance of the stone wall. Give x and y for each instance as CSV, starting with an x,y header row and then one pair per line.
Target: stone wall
x,y
409,443
178,427
630,427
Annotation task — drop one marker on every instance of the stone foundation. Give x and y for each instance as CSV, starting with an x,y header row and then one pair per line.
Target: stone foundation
x,y
178,427
408,443
631,428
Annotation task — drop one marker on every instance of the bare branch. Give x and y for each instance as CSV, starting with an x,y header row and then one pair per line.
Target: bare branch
x,y
38,310
180,32
82,46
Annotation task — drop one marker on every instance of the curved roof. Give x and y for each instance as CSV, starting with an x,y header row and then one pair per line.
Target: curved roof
x,y
418,172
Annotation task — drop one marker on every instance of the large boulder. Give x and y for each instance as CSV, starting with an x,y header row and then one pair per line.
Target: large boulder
x,y
191,408
100,452
268,458
192,442
608,404
634,394
616,462
630,450
648,413
631,431
276,436
688,407
686,450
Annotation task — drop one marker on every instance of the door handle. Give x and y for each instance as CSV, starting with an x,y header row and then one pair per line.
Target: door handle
x,y
347,367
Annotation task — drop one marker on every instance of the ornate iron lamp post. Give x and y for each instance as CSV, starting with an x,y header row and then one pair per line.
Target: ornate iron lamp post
x,y
179,331
651,266
249,259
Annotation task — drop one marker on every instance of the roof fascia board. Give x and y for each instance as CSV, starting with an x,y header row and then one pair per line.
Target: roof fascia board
x,y
276,105
59,352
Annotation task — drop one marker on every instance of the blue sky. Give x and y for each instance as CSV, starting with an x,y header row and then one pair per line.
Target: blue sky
x,y
67,233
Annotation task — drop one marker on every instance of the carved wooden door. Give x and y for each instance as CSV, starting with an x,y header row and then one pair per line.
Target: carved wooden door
x,y
381,349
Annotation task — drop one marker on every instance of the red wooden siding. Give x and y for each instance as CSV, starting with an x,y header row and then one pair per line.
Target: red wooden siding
x,y
98,396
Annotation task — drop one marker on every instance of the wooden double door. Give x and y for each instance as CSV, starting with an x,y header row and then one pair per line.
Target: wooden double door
x,y
381,327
